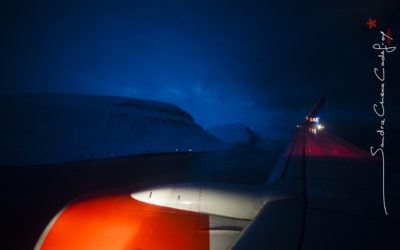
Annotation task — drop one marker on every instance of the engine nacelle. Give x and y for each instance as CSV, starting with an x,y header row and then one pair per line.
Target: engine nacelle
x,y
237,201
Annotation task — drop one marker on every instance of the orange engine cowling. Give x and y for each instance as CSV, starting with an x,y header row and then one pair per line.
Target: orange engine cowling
x,y
120,222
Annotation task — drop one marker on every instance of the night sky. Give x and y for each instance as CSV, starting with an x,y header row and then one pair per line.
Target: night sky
x,y
263,64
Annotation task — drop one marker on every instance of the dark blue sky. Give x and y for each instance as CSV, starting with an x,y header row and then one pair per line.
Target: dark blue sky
x,y
260,63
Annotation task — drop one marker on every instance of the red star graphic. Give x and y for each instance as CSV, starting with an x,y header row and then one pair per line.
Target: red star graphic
x,y
371,23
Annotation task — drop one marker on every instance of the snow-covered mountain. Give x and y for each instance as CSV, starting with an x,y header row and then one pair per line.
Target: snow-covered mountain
x,y
235,133
57,128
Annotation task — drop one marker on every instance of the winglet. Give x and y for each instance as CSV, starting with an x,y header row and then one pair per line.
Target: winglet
x,y
313,115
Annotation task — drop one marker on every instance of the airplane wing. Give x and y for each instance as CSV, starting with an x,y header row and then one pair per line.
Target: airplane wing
x,y
337,197
332,200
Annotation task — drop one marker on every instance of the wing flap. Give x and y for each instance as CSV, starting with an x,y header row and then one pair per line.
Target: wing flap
x,y
277,226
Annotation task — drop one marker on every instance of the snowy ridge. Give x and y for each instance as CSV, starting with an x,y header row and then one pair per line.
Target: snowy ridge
x,y
57,128
235,133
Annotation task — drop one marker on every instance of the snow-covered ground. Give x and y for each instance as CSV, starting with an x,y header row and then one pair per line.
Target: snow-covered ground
x,y
57,128
235,133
